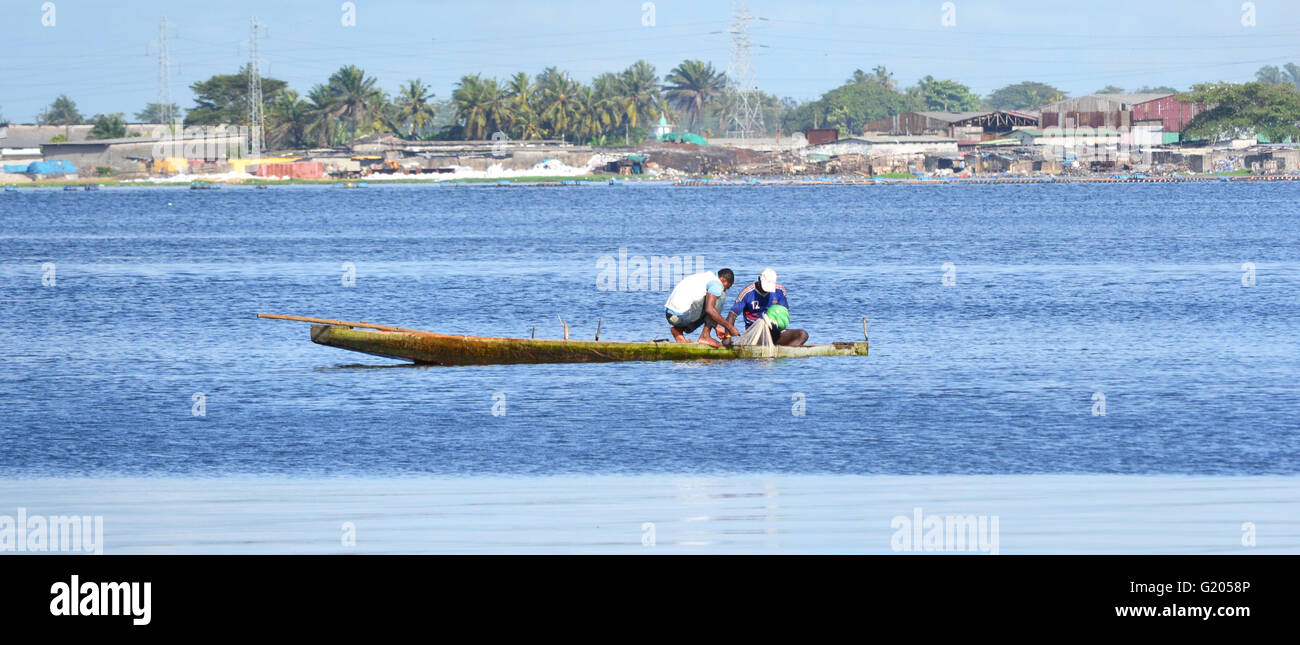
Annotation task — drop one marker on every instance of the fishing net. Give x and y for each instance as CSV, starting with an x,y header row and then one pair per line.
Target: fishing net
x,y
758,335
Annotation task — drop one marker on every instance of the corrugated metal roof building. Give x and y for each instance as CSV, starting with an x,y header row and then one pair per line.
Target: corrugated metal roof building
x,y
26,135
1095,110
1172,114
818,136
986,122
127,153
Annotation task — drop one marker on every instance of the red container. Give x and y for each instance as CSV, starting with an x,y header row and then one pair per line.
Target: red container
x,y
295,170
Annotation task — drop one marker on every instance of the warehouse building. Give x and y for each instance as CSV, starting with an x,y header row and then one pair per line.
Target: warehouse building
x,y
965,126
885,145
1160,110
138,154
1169,113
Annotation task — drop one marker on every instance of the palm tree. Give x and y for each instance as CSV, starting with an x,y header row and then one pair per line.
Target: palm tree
x,y
1292,73
384,116
1269,74
287,121
692,86
520,117
478,104
638,95
557,96
727,107
415,107
353,97
322,127
63,111
884,77
598,107
110,126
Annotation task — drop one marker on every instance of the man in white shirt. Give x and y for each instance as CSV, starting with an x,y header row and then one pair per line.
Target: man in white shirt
x,y
694,302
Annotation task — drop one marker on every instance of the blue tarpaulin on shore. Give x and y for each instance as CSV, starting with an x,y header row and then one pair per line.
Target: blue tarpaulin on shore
x,y
16,168
57,167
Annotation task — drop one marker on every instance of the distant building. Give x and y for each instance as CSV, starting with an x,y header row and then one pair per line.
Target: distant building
x,y
1120,111
134,154
974,126
1066,138
818,136
661,128
27,135
16,155
869,146
1167,111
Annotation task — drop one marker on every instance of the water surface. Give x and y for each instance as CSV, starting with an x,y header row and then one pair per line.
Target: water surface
x,y
1061,291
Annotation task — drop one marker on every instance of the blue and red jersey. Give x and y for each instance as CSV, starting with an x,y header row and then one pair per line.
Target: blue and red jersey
x,y
753,305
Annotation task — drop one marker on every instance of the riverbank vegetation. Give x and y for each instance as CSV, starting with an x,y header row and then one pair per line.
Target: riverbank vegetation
x,y
617,108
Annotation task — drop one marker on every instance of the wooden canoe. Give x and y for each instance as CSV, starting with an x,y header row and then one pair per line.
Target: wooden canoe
x,y
446,349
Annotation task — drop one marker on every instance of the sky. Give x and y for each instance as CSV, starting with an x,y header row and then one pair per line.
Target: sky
x,y
104,55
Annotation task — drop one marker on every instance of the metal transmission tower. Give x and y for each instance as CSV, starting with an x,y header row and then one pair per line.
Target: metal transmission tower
x,y
164,76
256,120
747,118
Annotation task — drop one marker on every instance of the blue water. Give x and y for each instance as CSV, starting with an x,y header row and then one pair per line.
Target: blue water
x,y
1133,291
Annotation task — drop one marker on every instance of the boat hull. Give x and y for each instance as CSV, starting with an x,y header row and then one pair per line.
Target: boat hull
x,y
443,349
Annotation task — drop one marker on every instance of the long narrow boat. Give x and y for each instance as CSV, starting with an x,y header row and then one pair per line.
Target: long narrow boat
x,y
445,349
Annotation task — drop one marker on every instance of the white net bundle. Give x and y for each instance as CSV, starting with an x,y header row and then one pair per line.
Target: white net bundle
x,y
758,335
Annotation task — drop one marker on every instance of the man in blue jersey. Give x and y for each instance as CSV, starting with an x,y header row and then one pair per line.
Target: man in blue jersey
x,y
754,300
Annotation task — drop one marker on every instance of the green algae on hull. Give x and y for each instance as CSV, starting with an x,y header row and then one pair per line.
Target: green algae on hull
x,y
443,349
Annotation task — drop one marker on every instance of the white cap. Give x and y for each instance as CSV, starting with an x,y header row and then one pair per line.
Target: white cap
x,y
767,280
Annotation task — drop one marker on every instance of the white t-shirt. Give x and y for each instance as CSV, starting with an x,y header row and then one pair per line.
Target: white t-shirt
x,y
687,299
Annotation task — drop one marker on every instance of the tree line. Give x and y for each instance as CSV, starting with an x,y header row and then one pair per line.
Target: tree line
x,y
618,108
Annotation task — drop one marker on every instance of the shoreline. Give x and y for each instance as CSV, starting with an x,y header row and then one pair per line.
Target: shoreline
x,y
580,180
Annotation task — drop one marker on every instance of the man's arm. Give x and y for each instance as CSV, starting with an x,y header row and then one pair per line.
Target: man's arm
x,y
711,310
737,308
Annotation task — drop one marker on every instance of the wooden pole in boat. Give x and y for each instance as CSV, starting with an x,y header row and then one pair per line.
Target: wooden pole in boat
x,y
598,328
566,328
864,329
341,323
